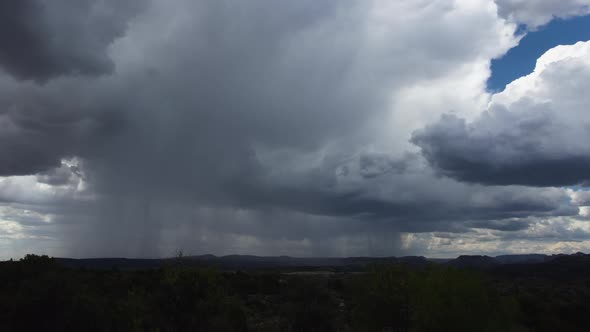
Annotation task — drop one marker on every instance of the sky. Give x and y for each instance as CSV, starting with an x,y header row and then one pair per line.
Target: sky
x,y
520,60
337,128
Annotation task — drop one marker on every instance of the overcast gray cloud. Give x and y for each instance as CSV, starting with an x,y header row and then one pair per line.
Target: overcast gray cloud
x,y
43,124
41,39
254,127
582,198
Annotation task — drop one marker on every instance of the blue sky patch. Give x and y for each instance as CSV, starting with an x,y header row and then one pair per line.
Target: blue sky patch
x,y
521,60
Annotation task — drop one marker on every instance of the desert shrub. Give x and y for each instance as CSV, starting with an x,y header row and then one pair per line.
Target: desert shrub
x,y
431,299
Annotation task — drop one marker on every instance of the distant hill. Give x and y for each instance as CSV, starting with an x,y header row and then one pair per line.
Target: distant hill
x,y
522,259
110,263
249,262
480,262
554,267
242,262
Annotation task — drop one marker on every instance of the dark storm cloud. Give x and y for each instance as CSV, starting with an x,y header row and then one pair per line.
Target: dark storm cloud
x,y
504,148
251,121
58,176
501,225
41,126
533,133
412,199
42,39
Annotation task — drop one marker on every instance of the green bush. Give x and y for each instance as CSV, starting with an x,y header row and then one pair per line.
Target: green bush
x,y
432,299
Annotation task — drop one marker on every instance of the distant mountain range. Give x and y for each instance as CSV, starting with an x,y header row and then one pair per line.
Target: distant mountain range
x,y
247,262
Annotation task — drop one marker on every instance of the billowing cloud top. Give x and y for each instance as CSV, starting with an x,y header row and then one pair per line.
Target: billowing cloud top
x,y
305,128
533,133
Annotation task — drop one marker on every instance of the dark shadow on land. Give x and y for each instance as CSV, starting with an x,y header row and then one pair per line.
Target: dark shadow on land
x,y
249,293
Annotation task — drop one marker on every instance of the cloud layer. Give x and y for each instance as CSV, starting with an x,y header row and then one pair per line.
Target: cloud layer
x,y
534,133
300,128
41,39
540,12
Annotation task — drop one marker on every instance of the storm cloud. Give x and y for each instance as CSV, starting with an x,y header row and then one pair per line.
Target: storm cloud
x,y
42,39
534,133
218,126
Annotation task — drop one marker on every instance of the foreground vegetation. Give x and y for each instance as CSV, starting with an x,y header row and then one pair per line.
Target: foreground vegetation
x,y
38,294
